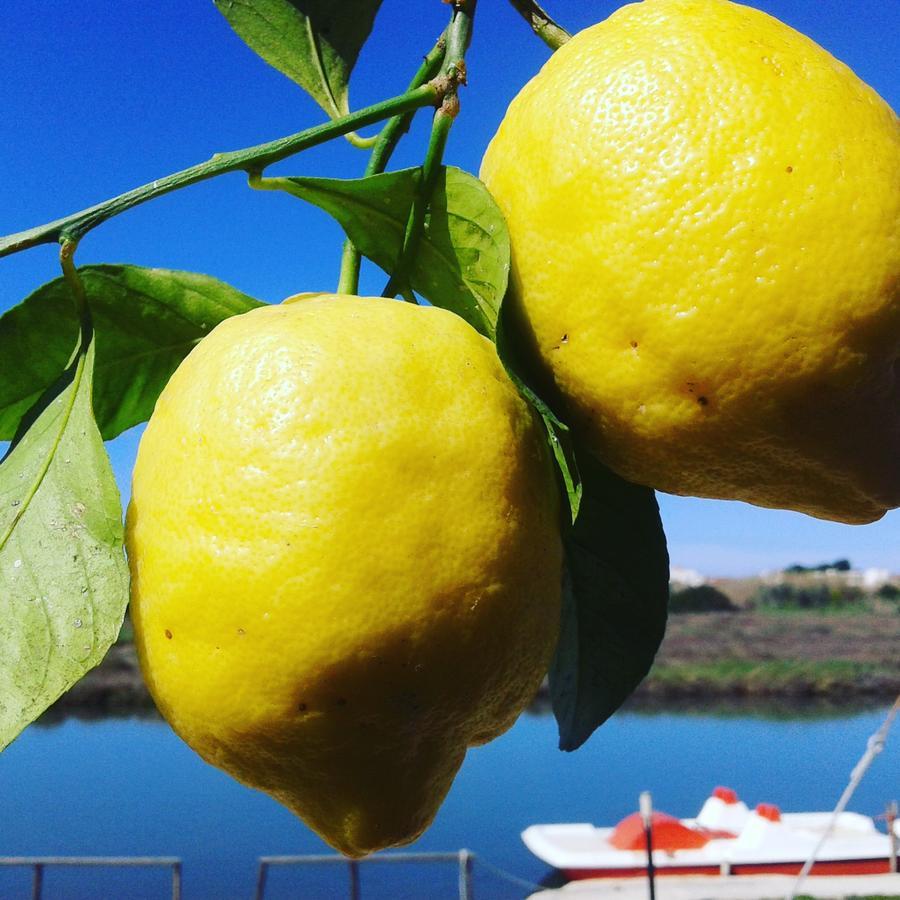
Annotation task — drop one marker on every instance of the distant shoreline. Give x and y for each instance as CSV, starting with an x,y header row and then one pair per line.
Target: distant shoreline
x,y
706,659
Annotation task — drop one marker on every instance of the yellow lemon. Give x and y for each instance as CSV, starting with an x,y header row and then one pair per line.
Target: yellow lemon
x,y
345,556
703,207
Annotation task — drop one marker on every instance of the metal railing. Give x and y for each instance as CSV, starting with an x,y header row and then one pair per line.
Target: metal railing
x,y
39,863
463,859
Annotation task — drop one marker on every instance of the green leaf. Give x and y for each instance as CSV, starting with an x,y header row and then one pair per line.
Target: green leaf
x,y
462,263
63,577
145,320
314,42
509,349
614,603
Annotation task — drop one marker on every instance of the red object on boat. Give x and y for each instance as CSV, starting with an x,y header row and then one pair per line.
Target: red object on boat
x,y
726,795
725,837
768,811
668,834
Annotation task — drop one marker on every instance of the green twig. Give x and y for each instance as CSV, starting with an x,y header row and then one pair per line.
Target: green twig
x,y
453,74
398,282
79,295
552,34
459,33
351,262
360,142
73,279
385,144
251,159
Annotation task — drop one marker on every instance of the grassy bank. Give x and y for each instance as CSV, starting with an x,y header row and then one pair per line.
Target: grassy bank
x,y
794,636
773,678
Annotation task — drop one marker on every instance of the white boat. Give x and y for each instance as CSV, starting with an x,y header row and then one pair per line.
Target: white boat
x,y
725,838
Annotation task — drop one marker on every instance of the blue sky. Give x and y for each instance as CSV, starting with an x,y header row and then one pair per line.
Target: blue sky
x,y
103,96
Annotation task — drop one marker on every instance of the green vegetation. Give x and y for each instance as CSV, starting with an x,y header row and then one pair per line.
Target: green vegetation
x,y
703,598
767,677
808,596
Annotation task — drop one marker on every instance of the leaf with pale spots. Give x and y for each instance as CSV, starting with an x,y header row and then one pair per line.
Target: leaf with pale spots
x,y
145,320
63,576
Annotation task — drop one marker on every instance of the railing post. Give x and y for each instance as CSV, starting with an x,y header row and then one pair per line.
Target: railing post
x,y
37,882
466,891
261,880
891,819
176,881
353,866
645,802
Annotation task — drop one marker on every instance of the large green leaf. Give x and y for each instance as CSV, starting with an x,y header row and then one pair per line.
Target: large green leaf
x,y
462,262
614,605
314,42
146,321
63,577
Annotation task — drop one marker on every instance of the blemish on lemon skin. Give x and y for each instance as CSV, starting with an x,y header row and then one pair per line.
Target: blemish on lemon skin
x,y
241,632
168,634
789,169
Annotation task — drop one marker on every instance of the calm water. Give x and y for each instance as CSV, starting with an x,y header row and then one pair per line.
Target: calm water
x,y
131,787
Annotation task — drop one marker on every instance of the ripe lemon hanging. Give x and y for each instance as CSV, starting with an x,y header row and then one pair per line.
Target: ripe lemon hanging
x,y
704,206
346,562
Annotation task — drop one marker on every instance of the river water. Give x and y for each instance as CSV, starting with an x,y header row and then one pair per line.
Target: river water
x,y
129,786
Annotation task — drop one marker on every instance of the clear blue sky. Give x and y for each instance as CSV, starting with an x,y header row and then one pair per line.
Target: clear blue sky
x,y
102,96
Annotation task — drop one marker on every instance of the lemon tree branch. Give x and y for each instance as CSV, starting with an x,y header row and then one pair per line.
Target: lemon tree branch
x,y
453,74
552,34
251,160
385,143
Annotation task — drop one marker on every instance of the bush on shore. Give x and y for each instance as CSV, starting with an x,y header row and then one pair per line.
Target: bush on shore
x,y
702,598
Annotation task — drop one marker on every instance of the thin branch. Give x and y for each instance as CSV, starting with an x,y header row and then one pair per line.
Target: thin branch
x,y
250,160
385,144
459,33
361,143
399,280
552,34
73,279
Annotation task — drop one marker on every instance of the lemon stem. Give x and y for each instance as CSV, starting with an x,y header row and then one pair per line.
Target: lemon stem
x,y
398,282
552,34
453,74
385,143
361,143
73,279
251,160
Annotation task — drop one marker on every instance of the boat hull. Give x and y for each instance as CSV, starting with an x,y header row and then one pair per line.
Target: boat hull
x,y
824,867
